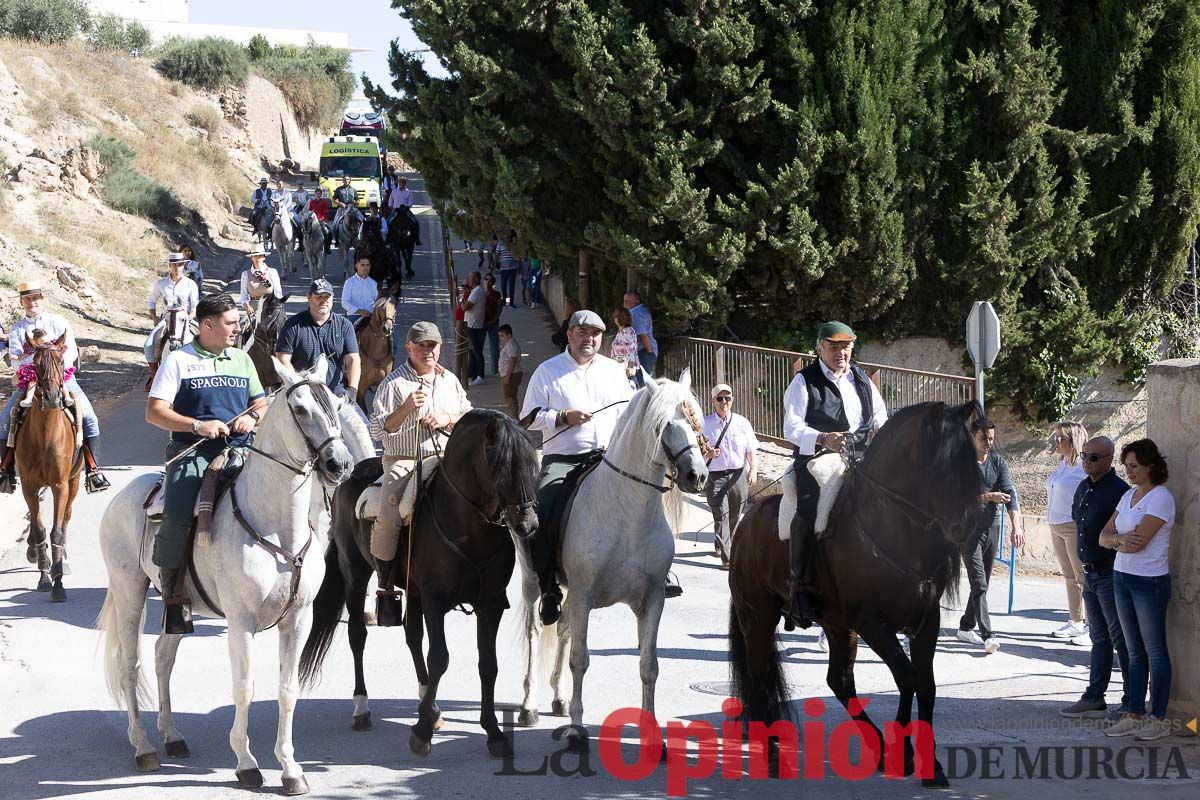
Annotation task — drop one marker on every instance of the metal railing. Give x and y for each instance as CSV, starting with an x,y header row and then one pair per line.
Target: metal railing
x,y
760,377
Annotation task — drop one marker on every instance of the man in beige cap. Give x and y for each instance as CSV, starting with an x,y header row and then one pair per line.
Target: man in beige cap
x,y
732,469
417,399
37,318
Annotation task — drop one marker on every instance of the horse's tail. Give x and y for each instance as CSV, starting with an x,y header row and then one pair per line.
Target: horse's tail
x,y
115,657
327,612
764,696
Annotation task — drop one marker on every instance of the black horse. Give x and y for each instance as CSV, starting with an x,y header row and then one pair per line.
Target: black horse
x,y
462,551
259,342
891,551
385,270
402,241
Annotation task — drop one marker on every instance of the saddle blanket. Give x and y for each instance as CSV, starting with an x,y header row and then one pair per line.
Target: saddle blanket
x,y
367,507
156,500
829,471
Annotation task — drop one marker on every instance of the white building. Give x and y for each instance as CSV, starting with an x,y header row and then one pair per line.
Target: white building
x,y
166,18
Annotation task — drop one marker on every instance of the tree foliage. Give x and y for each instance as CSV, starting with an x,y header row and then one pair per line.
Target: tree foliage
x,y
110,32
45,21
208,63
772,163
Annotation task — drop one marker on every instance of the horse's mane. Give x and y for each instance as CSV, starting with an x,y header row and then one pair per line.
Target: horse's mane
x,y
637,438
511,458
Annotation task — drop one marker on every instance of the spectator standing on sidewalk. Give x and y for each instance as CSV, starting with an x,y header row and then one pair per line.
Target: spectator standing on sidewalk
x,y
1140,533
462,344
643,325
1095,502
560,336
624,347
510,369
474,305
1066,439
979,552
535,282
732,470
493,307
507,264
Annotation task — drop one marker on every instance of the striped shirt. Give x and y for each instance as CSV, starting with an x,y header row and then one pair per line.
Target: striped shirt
x,y
443,393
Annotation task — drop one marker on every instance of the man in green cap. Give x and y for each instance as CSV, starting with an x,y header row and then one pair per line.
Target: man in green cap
x,y
830,406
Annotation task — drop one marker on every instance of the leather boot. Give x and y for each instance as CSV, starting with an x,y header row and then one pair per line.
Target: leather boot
x,y
177,610
8,472
389,605
95,480
802,608
551,607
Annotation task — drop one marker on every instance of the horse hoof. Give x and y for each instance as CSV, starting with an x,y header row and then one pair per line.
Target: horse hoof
x,y
147,762
45,585
295,786
250,778
500,747
58,594
362,722
558,708
438,722
578,743
177,749
527,718
417,746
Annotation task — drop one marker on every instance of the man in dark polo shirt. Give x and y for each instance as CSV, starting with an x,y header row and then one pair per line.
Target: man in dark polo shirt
x,y
1095,501
318,331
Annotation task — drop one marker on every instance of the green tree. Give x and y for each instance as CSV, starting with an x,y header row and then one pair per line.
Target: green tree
x,y
258,48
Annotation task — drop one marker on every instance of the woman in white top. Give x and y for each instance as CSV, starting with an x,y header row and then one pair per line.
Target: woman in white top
x,y
625,343
1066,438
1140,532
258,281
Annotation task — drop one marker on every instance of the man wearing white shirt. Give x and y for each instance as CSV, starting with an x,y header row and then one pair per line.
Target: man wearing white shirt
x,y
732,469
177,294
401,200
359,293
830,405
578,395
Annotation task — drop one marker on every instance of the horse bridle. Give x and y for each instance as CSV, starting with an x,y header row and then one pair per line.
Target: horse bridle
x,y
500,519
323,400
672,458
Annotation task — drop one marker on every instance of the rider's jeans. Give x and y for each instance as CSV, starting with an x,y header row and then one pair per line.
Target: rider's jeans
x,y
91,426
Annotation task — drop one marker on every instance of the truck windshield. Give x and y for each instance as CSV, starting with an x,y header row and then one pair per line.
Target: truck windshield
x,y
354,166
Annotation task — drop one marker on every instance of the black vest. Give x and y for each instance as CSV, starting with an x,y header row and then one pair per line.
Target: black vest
x,y
825,411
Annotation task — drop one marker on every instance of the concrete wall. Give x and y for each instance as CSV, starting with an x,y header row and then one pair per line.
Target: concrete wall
x,y
1174,424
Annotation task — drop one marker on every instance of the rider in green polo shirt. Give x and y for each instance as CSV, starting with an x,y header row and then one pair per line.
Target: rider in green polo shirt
x,y
198,390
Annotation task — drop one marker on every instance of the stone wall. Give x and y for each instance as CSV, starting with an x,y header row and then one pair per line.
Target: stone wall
x,y
1174,424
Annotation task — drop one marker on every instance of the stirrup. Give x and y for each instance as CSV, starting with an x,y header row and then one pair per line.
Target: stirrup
x,y
177,616
389,608
96,482
8,482
672,588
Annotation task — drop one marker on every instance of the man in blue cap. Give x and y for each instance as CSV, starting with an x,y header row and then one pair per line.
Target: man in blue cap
x,y
316,331
830,406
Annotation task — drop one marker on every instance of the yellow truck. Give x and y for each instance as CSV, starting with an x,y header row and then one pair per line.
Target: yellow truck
x,y
358,157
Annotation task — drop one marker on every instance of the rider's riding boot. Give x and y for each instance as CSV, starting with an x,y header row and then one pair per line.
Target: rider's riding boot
x,y
389,609
8,470
177,610
95,480
802,608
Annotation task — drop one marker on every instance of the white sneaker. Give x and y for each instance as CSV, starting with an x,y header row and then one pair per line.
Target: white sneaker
x,y
1082,640
476,381
1154,729
823,642
1070,630
1128,726
991,645
970,637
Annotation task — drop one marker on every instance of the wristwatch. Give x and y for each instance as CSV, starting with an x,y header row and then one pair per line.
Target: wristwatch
x,y
195,427
561,419
254,415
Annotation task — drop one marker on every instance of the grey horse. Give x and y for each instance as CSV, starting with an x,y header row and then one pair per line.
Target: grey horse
x,y
314,243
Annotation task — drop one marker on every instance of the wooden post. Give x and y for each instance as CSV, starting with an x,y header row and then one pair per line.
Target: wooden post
x,y
584,279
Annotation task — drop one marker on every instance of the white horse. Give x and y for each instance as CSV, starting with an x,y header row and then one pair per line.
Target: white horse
x,y
250,569
356,434
314,243
620,540
281,237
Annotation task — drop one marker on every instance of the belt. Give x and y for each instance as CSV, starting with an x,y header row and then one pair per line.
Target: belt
x,y
716,472
1090,568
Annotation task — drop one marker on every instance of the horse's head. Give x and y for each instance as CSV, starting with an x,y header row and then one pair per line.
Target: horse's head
x,y
48,364
663,423
502,458
273,315
926,455
383,313
316,436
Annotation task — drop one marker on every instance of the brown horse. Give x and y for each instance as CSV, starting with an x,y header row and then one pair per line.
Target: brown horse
x,y
889,553
375,348
46,455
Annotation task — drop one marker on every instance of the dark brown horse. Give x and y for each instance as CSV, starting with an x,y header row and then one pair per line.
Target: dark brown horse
x,y
891,551
46,455
260,345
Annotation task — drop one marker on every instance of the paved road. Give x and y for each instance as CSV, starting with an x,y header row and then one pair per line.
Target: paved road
x,y
61,734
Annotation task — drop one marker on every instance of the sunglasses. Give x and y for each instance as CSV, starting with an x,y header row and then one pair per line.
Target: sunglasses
x,y
725,399
1060,437
1093,457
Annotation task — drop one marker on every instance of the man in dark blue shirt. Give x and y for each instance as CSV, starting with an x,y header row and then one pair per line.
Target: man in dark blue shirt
x,y
1095,501
316,331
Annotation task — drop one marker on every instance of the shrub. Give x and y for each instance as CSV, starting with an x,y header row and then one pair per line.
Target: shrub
x,y
315,80
209,63
110,32
258,48
126,189
46,21
206,118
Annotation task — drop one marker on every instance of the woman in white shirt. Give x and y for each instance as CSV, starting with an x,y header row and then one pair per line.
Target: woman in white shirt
x,y
258,281
1140,532
1066,438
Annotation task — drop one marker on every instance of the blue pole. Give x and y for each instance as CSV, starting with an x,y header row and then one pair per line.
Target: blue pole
x,y
1012,560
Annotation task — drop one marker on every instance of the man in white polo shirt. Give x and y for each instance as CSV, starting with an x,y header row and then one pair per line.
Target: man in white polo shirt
x,y
574,393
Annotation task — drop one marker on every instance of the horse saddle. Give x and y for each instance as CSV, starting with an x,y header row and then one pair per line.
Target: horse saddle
x,y
218,478
367,507
557,521
829,471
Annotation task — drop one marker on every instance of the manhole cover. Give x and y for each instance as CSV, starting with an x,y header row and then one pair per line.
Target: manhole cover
x,y
718,688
